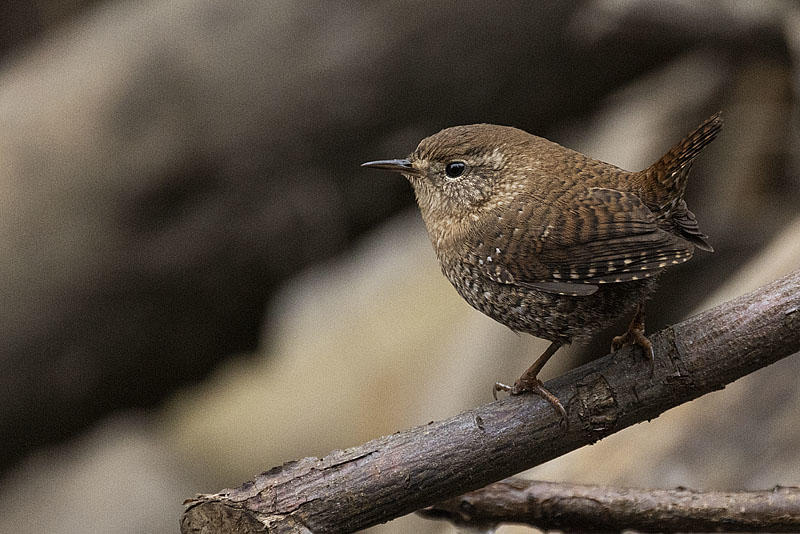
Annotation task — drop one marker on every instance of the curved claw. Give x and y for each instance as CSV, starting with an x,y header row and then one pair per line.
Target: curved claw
x,y
636,337
651,355
499,386
537,388
540,390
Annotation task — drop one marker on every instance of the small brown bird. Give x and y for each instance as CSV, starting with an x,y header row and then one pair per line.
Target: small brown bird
x,y
546,240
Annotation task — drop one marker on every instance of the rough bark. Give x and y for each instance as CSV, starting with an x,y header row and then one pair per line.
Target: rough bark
x,y
391,476
574,507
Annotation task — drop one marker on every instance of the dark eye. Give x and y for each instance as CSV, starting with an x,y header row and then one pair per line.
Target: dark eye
x,y
454,169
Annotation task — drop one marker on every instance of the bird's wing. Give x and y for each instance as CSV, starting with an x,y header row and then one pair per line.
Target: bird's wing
x,y
599,236
686,223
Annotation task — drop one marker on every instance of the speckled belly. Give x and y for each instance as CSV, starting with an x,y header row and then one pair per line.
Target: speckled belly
x,y
546,315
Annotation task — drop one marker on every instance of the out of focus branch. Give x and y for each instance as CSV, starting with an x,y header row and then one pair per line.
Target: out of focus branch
x,y
572,507
391,476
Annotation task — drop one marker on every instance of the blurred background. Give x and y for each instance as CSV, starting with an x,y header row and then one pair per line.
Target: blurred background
x,y
199,282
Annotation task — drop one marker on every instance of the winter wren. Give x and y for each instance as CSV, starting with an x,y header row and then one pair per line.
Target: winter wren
x,y
546,240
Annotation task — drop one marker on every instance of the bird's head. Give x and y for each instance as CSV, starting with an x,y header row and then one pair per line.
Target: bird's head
x,y
456,171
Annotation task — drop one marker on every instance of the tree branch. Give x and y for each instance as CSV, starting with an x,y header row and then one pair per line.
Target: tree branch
x,y
572,507
394,475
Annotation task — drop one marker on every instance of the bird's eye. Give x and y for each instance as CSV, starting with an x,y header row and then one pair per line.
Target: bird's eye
x,y
454,169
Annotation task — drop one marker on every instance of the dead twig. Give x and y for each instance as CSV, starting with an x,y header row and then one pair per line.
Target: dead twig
x,y
394,475
573,507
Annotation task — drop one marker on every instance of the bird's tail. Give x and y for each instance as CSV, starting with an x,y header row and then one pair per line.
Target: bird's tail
x,y
666,178
663,184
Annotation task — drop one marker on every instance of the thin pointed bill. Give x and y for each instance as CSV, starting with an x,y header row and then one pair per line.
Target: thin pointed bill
x,y
396,165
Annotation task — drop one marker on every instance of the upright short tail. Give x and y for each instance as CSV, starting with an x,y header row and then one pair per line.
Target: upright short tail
x,y
663,184
673,166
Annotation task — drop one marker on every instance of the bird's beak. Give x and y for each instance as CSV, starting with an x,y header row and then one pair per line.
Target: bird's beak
x,y
396,165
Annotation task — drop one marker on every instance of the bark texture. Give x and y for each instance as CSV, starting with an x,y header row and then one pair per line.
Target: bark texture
x,y
391,476
574,507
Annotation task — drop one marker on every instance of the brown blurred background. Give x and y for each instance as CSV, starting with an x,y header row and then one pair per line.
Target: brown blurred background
x,y
199,282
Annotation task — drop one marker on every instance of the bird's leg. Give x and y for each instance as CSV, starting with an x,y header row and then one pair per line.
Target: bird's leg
x,y
635,336
529,381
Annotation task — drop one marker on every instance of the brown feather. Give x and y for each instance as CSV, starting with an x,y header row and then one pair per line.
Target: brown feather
x,y
545,239
619,240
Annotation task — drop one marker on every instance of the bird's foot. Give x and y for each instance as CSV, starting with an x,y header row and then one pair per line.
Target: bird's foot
x,y
533,385
635,336
499,386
